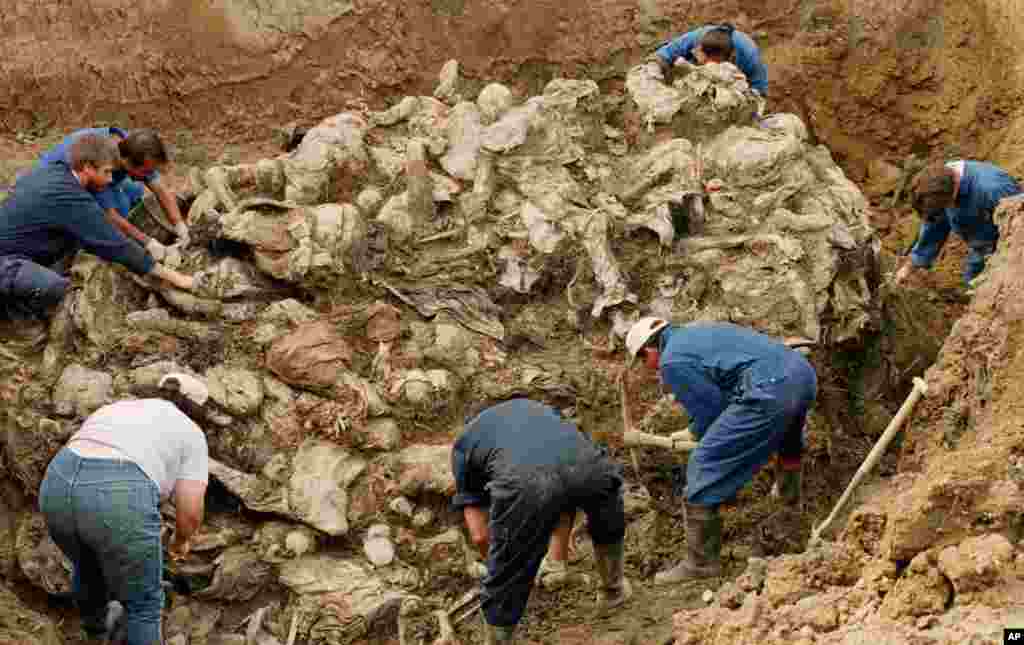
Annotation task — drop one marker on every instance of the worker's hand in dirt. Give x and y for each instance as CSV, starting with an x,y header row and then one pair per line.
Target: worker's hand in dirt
x,y
177,550
181,230
156,249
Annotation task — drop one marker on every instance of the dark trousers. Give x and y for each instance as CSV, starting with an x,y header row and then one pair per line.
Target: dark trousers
x,y
524,513
27,290
104,515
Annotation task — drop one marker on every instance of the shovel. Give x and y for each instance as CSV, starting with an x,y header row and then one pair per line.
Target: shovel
x,y
920,390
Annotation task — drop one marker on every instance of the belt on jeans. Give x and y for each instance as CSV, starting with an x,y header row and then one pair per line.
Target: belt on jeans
x,y
93,450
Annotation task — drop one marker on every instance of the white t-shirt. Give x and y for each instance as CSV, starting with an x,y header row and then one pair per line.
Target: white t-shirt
x,y
156,435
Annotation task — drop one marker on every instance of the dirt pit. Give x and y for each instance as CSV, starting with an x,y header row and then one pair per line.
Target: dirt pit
x,y
812,49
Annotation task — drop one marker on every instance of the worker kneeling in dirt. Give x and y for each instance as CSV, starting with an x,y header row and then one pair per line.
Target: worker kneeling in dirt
x,y
141,156
960,197
717,44
519,467
747,396
101,498
49,216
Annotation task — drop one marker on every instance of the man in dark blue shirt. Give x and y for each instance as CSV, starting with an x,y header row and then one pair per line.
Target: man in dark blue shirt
x,y
958,197
717,44
142,154
49,216
747,395
518,469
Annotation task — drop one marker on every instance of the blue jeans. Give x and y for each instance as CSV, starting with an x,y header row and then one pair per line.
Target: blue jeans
x,y
28,290
104,515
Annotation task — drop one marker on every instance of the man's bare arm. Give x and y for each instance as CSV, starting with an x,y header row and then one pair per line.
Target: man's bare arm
x,y
189,505
477,520
167,202
126,227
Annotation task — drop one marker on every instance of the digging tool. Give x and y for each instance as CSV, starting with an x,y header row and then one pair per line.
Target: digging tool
x,y
920,390
627,426
677,442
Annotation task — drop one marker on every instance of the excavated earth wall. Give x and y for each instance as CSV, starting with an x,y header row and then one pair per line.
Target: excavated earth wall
x,y
874,79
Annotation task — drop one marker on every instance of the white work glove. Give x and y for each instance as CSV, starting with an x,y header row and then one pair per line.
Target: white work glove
x,y
156,249
181,230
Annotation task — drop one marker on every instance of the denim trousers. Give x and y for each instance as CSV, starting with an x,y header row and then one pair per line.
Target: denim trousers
x,y
28,290
104,515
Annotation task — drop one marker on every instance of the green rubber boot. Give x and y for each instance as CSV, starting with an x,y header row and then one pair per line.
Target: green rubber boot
x,y
615,588
703,547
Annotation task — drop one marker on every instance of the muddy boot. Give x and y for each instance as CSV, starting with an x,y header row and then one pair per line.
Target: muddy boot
x,y
703,547
615,589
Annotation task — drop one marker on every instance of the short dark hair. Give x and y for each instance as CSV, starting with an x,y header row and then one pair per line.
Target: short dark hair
x,y
92,150
143,145
716,43
933,188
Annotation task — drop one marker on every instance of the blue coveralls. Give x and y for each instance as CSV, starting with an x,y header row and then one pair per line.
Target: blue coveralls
x,y
529,466
123,192
748,57
981,188
747,396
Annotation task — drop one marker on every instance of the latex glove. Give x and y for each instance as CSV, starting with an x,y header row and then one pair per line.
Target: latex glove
x,y
181,230
156,249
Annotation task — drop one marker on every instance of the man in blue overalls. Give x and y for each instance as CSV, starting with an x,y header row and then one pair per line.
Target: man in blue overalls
x,y
958,197
747,395
519,468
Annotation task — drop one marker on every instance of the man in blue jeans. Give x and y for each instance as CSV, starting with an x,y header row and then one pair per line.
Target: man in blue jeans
x,y
957,197
50,216
747,396
717,44
142,155
101,497
519,468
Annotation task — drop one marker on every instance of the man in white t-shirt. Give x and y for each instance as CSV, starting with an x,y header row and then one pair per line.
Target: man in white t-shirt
x,y
101,497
